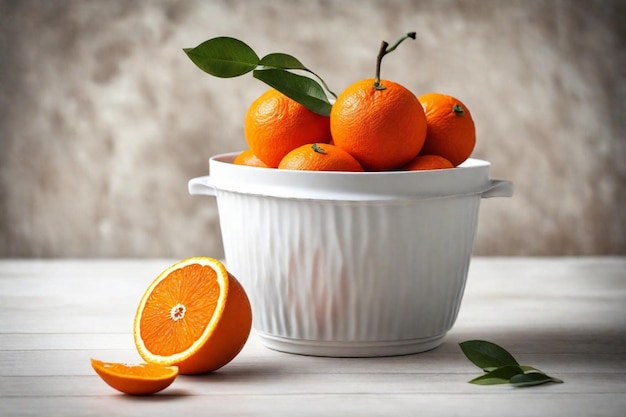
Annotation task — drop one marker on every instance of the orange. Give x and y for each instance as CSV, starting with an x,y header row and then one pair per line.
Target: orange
x,y
275,124
248,158
382,128
424,162
194,315
320,157
139,379
451,131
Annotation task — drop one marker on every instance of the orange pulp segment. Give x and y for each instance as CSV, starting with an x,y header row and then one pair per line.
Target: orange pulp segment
x,y
135,379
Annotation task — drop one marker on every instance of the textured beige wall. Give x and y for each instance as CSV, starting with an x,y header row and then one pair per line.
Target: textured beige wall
x,y
103,119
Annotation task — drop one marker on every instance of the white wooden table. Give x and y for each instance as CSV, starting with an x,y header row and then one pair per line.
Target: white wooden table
x,y
566,316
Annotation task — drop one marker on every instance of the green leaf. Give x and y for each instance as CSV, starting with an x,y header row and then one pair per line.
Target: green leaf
x,y
487,355
283,61
280,60
532,378
501,367
501,375
527,368
304,90
223,57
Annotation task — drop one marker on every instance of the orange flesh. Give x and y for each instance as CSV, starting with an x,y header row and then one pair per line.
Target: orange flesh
x,y
179,309
145,370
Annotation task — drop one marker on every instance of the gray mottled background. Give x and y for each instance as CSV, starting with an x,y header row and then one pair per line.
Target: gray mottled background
x,y
103,119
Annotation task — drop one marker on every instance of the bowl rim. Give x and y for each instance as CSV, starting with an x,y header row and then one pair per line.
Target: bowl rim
x,y
469,178
229,157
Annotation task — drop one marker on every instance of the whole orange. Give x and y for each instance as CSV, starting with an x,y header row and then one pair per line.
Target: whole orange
x,y
320,157
248,158
451,130
275,124
425,162
382,128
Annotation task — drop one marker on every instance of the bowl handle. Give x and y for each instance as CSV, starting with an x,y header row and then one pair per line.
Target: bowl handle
x,y
201,186
498,188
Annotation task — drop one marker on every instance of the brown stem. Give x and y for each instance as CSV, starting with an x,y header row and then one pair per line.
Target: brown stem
x,y
384,51
381,53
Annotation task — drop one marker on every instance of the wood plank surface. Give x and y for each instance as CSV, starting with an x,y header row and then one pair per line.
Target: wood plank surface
x,y
566,316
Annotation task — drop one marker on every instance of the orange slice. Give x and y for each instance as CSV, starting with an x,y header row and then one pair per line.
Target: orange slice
x,y
194,315
135,379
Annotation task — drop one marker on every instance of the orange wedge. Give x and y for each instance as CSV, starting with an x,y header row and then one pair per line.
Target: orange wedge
x,y
135,379
194,315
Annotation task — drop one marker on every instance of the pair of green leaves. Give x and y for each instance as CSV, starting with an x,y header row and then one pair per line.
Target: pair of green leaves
x,y
226,57
500,366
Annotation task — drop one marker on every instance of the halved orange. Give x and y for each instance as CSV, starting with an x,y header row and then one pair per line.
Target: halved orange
x,y
135,379
194,315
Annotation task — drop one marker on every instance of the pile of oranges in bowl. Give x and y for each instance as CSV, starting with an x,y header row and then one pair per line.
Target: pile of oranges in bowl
x,y
369,129
373,125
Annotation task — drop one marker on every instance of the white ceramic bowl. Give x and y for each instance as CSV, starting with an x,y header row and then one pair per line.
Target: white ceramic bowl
x,y
350,264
